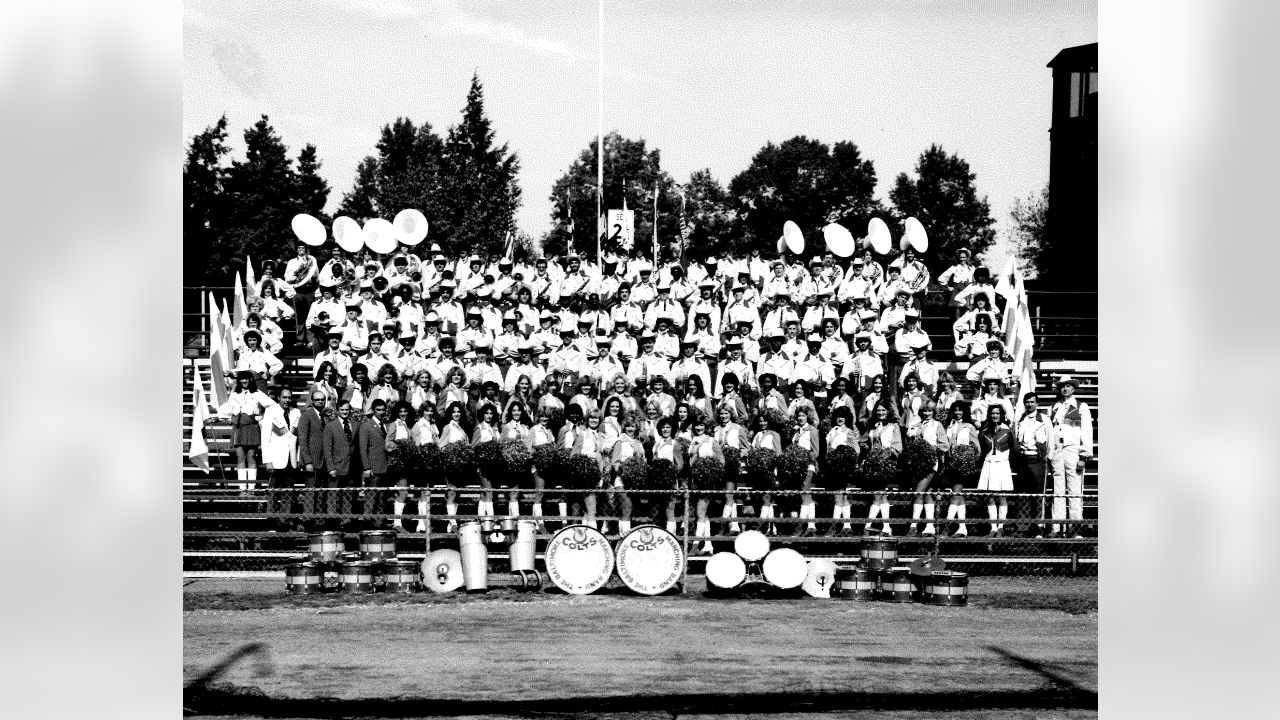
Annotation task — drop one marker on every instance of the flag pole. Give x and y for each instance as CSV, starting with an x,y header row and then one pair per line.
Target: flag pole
x,y
655,221
600,132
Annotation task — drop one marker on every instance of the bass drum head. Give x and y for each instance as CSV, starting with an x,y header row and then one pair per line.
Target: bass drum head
x,y
785,568
579,560
752,545
725,571
649,560
442,571
820,576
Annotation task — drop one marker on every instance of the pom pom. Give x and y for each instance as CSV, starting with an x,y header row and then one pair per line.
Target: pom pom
x,y
962,464
840,469
777,420
917,457
458,461
880,469
732,464
515,463
662,475
583,473
547,461
489,460
429,460
793,467
634,473
762,464
707,473
403,460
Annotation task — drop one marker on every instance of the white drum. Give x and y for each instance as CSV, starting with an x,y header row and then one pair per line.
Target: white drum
x,y
820,578
649,560
785,568
442,571
725,571
752,545
579,560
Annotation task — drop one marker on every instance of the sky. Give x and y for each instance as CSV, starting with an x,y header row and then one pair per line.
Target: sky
x,y
707,83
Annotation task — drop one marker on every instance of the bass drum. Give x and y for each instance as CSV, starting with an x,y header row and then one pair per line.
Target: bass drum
x,y
579,560
785,568
650,560
725,571
442,571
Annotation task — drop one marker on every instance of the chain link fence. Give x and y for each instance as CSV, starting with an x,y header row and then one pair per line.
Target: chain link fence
x,y
251,532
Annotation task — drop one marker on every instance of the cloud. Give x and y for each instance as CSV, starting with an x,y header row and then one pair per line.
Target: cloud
x,y
449,18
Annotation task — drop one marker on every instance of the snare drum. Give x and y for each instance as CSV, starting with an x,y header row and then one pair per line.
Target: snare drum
x,y
725,571
649,560
377,545
356,577
579,560
325,547
947,587
855,583
879,553
785,568
752,545
304,578
895,585
401,576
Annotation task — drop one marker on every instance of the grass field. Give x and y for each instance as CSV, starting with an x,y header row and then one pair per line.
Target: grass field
x,y
1023,648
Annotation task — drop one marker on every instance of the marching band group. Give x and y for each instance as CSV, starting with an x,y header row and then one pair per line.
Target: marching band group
x,y
623,358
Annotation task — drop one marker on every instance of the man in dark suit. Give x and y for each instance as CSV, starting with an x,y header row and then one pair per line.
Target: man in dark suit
x,y
338,448
371,444
311,455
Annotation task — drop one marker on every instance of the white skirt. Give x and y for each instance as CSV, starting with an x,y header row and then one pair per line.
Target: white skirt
x,y
996,476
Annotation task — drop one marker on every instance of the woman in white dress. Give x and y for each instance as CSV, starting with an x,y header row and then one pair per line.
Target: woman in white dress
x,y
841,434
731,436
452,432
702,445
666,447
884,433
996,440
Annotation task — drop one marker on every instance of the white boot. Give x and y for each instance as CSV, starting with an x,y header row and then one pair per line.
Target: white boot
x,y
991,515
251,474
451,509
537,513
884,513
398,508
563,509
960,515
624,527
242,474
809,511
766,513
731,511
1002,512
928,515
704,530
671,526
422,523
916,509
513,508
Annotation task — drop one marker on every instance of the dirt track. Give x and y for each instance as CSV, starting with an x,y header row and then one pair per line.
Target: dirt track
x,y
618,653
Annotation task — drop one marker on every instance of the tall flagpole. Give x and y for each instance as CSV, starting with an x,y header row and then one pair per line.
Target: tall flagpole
x,y
600,134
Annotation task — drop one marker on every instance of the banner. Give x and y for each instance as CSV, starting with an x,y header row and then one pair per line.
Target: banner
x,y
621,226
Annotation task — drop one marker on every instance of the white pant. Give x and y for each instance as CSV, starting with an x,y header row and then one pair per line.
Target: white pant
x,y
1068,485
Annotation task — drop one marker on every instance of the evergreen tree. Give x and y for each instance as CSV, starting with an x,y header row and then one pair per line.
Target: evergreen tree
x,y
203,176
943,198
480,193
358,202
261,192
312,192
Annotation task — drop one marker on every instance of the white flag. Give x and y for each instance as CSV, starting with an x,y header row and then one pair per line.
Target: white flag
x,y
199,452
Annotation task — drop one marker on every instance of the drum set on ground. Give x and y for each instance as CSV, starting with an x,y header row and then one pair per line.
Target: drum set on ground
x,y
753,568
648,560
578,559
